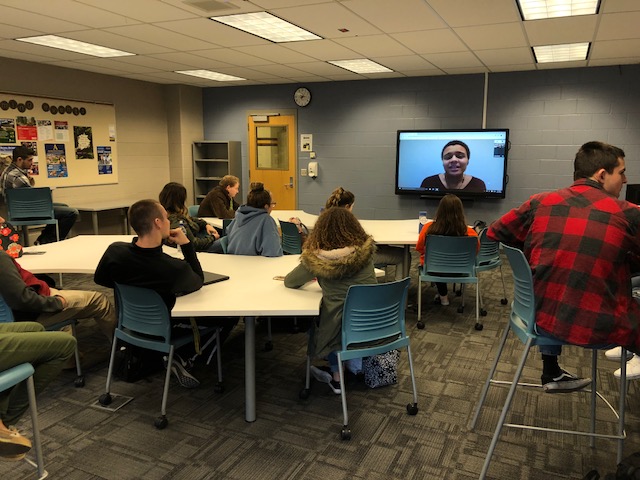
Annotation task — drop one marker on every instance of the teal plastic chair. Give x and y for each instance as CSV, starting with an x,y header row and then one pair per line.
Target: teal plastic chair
x,y
30,206
193,210
522,323
144,321
291,238
488,259
373,322
6,315
225,224
449,260
224,243
9,379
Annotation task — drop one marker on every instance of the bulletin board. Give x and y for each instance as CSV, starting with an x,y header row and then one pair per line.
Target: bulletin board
x,y
74,142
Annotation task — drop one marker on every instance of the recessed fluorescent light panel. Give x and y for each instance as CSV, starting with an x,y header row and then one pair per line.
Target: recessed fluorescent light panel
x,y
62,43
537,9
561,53
360,65
209,75
265,25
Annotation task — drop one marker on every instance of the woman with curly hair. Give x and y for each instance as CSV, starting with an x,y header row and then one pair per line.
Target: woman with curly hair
x,y
449,222
338,253
203,236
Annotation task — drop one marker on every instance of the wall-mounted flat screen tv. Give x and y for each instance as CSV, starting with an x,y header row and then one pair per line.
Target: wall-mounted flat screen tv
x,y
469,163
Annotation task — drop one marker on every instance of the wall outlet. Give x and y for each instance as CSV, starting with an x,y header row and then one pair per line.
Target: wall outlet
x,y
303,172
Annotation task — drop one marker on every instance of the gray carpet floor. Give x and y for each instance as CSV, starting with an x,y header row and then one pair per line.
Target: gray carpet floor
x,y
207,437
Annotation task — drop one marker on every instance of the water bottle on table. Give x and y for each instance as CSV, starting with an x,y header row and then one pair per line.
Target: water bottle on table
x,y
422,220
184,230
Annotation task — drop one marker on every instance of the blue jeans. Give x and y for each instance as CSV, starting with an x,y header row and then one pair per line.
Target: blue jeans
x,y
554,350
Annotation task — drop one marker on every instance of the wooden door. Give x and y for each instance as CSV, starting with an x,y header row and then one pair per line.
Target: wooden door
x,y
272,158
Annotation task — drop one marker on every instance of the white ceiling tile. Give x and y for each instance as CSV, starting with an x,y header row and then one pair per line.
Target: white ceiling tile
x,y
555,31
485,37
404,62
512,68
148,11
73,11
161,36
119,42
322,49
616,26
465,70
50,53
461,13
319,68
27,57
155,63
556,65
614,61
213,32
35,21
378,45
271,4
278,70
192,60
615,49
115,64
427,72
506,56
157,79
621,6
275,53
232,57
398,16
11,31
431,41
105,70
453,60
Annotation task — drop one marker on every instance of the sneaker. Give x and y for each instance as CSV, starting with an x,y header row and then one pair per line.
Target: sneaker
x,y
633,369
12,444
616,353
185,379
335,386
565,382
441,300
321,375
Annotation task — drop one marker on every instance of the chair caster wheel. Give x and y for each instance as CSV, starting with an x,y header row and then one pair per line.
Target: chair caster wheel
x,y
503,301
304,394
268,346
459,293
483,312
218,388
479,326
105,399
460,309
345,433
79,382
412,408
161,422
420,325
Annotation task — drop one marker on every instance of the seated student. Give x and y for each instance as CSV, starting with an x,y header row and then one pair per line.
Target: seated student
x,y
201,235
220,201
253,231
48,352
338,253
449,221
142,263
17,175
385,254
32,299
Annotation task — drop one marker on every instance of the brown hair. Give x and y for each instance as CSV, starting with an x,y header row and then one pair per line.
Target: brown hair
x,y
142,214
449,219
336,228
340,198
258,197
173,198
229,181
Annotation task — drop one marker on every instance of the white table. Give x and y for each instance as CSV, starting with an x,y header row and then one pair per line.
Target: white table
x,y
249,292
95,208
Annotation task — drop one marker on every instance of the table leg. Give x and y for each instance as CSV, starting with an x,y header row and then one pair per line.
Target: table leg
x,y
94,220
250,368
406,266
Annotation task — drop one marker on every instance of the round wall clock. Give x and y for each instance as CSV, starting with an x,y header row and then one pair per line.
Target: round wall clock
x,y
302,97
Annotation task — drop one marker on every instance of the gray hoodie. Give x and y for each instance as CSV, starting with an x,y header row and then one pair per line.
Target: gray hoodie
x,y
253,232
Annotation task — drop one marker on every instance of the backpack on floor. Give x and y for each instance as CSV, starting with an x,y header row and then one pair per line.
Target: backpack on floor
x,y
133,363
381,370
628,469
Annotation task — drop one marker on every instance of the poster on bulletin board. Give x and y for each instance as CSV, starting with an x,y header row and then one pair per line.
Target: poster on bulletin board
x,y
74,143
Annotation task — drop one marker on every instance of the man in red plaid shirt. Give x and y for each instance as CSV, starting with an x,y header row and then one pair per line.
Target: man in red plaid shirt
x,y
581,242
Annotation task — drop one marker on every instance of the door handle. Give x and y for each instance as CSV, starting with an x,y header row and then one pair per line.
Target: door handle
x,y
290,184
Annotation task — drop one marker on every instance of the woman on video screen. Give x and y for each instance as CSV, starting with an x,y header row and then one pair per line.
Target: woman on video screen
x,y
455,158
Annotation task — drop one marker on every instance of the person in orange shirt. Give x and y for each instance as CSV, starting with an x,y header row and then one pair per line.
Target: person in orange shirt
x,y
449,221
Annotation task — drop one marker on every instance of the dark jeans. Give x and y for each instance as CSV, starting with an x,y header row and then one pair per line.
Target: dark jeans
x,y
66,217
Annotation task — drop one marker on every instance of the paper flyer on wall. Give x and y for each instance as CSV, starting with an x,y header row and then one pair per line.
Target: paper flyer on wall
x,y
6,156
56,160
35,168
7,130
61,130
27,129
45,130
83,140
105,162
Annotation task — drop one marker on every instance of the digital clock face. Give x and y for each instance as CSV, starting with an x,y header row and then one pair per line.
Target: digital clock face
x,y
302,97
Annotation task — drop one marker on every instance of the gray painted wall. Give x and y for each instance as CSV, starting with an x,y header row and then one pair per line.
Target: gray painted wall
x,y
550,114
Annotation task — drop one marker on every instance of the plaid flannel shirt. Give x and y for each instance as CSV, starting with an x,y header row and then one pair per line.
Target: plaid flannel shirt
x,y
14,177
581,244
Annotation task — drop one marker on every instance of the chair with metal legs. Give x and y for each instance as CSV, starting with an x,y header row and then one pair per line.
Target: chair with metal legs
x,y
31,206
522,323
488,259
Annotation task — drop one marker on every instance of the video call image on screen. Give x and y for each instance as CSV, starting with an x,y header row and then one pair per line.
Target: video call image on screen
x,y
423,162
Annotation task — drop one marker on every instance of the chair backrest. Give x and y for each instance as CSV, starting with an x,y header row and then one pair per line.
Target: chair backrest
x,y
374,312
193,210
523,306
224,243
225,224
29,203
489,250
6,314
291,238
451,255
142,311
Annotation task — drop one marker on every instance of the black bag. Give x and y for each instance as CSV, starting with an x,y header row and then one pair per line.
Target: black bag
x,y
381,370
629,468
133,363
479,225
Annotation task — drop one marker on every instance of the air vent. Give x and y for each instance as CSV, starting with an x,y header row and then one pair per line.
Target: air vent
x,y
211,6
